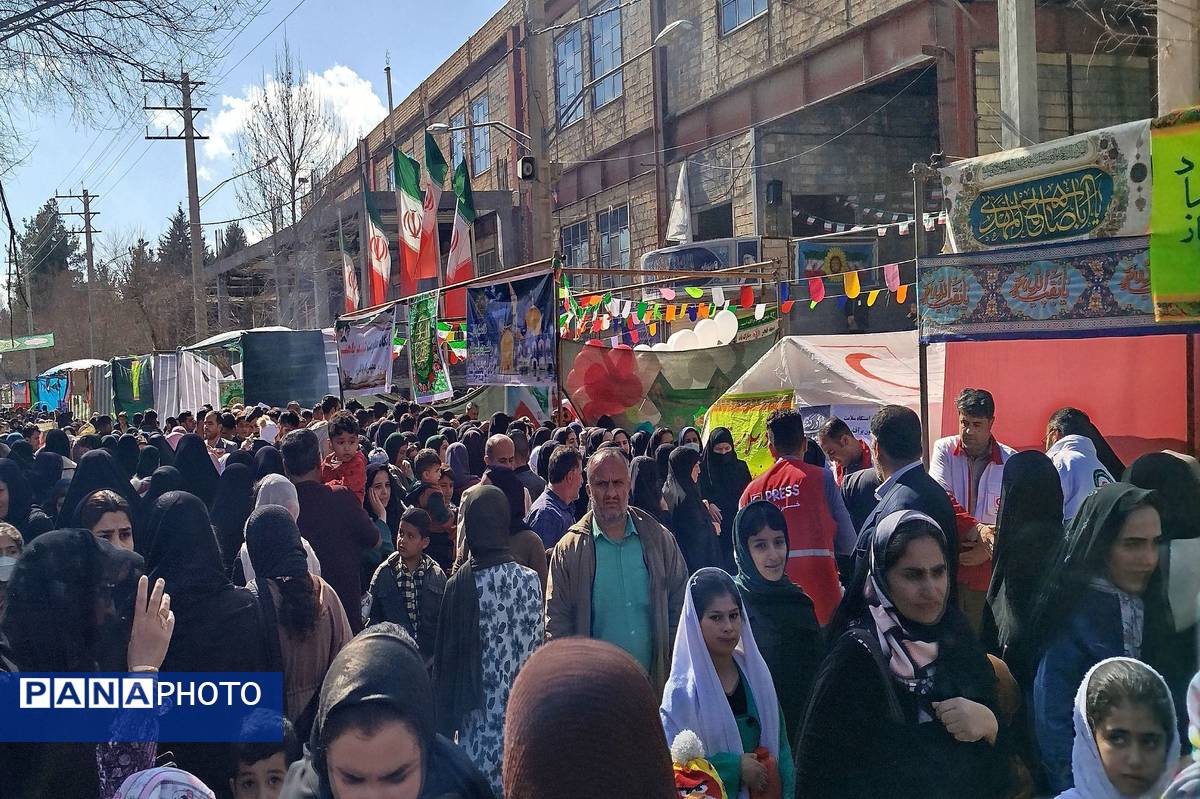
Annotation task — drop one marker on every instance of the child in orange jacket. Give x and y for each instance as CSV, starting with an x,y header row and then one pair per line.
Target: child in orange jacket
x,y
346,465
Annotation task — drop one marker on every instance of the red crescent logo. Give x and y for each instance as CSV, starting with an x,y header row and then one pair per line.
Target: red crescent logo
x,y
855,361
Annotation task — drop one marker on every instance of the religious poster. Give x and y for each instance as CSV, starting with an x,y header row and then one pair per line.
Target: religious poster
x,y
1083,289
511,335
1175,219
365,353
833,259
1092,185
133,384
430,380
746,417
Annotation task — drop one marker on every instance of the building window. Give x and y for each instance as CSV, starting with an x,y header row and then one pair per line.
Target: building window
x,y
606,55
568,69
458,140
739,12
575,244
481,137
613,227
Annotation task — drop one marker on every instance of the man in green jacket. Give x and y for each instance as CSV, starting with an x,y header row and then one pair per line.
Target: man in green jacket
x,y
617,574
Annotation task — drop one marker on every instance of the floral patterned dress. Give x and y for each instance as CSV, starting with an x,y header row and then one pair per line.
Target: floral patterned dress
x,y
511,626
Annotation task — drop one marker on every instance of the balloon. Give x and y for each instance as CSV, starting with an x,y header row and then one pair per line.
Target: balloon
x,y
622,346
727,326
642,347
707,333
661,346
684,340
595,343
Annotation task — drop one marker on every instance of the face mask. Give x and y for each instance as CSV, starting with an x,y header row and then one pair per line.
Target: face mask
x,y
692,445
7,565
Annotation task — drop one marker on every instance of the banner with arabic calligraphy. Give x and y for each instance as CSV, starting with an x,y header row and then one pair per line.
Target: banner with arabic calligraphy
x,y
1079,289
1089,186
1175,220
430,380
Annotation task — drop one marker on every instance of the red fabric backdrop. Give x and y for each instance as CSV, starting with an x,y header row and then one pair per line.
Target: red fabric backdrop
x,y
1133,388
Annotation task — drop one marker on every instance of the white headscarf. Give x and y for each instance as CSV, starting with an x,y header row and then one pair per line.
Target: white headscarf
x,y
1088,770
275,489
694,699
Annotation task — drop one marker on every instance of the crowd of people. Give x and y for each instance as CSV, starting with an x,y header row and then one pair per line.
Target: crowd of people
x,y
472,608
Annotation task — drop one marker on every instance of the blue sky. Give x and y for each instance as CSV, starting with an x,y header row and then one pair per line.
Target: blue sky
x,y
344,42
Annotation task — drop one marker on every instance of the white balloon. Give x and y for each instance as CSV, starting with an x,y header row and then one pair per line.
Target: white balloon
x,y
661,346
684,340
707,333
642,347
727,325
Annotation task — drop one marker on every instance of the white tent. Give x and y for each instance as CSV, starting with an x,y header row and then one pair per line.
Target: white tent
x,y
848,376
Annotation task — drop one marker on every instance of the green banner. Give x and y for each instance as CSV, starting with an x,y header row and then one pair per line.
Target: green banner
x,y
38,342
1175,220
430,380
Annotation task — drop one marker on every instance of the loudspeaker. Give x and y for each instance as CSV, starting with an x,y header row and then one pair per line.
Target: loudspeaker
x,y
774,192
526,168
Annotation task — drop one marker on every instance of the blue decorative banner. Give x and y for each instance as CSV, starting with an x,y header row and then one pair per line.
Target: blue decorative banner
x,y
1080,289
183,706
511,334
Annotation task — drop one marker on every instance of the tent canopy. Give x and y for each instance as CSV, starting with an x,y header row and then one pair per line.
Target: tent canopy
x,y
73,366
865,369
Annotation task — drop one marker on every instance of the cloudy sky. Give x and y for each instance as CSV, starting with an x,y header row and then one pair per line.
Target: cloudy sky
x,y
343,46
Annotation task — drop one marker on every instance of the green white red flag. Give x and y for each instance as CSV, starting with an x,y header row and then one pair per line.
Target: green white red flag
x,y
409,214
429,263
378,251
460,265
349,271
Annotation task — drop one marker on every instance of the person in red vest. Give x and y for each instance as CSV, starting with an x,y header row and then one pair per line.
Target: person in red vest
x,y
819,528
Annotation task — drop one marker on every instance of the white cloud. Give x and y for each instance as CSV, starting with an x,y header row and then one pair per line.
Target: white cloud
x,y
350,96
204,173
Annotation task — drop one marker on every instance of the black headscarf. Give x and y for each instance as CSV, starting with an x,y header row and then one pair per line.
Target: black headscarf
x,y
689,519
127,454
96,470
217,624
1178,488
267,460
1084,553
194,463
427,429
448,433
149,459
383,666
656,438
723,479
21,453
1029,532
109,442
59,582
231,508
594,439
540,436
394,508
500,423
457,658
30,521
639,441
56,441
473,441
392,445
164,479
662,456
385,429
781,614
46,472
166,453
242,456
645,487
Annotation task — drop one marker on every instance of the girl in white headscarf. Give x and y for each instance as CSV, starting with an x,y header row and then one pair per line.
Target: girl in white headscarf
x,y
1126,742
721,689
274,489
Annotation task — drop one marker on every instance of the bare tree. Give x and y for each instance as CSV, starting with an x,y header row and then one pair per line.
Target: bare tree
x,y
290,122
92,52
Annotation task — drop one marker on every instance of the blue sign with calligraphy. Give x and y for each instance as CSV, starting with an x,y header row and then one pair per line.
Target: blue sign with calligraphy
x,y
1068,205
1084,289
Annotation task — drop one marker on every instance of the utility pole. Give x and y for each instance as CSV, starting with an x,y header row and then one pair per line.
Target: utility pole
x,y
1020,125
189,137
1178,54
23,277
87,213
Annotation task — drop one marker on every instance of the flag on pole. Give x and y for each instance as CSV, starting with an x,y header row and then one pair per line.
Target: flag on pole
x,y
349,273
429,264
679,226
409,213
379,256
460,266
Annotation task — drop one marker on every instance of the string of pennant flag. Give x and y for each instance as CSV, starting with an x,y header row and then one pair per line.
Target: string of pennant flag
x,y
903,225
597,313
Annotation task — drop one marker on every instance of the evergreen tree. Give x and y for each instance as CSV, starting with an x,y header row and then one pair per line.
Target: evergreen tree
x,y
48,250
233,239
175,245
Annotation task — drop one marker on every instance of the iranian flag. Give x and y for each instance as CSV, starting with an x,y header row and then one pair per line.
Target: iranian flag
x,y
349,272
379,255
460,266
429,264
409,213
